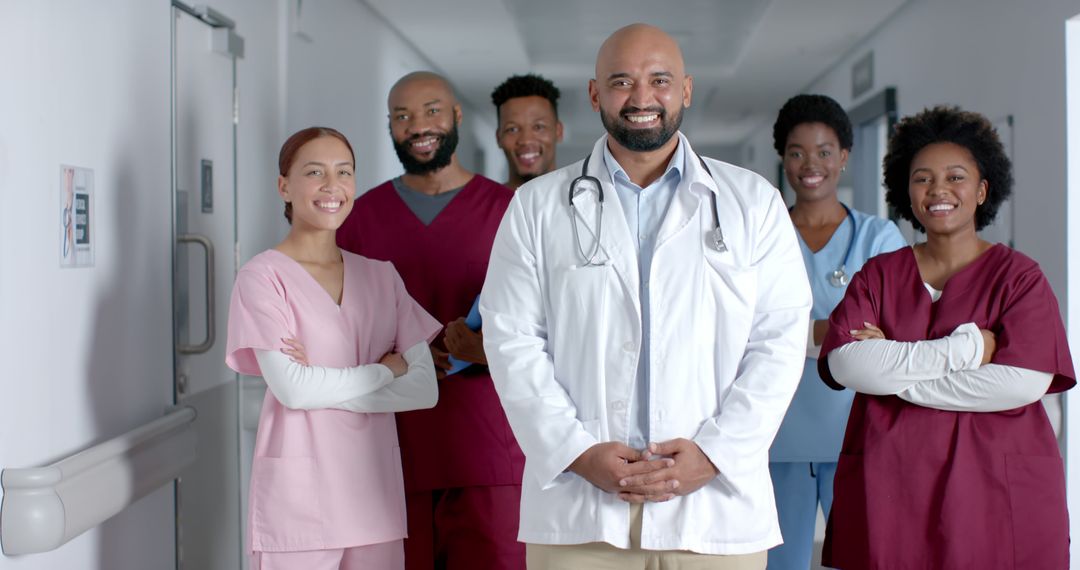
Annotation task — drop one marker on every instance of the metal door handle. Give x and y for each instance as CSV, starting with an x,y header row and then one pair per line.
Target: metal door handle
x,y
208,247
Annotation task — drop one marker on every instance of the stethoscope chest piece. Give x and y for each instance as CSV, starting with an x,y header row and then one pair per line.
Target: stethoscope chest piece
x,y
716,240
839,278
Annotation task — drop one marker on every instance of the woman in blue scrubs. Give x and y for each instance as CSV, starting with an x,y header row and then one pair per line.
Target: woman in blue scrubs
x,y
813,136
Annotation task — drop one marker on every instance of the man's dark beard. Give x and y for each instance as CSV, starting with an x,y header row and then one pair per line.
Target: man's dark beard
x,y
642,140
443,155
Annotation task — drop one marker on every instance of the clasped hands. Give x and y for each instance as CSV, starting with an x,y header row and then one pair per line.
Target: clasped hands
x,y
658,473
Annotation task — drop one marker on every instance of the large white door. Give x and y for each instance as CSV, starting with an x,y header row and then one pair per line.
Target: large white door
x,y
205,52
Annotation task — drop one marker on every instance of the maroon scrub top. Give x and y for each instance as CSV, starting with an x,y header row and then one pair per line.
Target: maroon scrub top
x,y
923,488
465,439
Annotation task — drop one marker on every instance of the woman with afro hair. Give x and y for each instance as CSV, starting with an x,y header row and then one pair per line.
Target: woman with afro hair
x,y
949,460
812,135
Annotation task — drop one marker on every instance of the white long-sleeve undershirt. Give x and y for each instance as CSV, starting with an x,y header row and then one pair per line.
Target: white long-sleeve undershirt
x,y
943,373
813,349
368,388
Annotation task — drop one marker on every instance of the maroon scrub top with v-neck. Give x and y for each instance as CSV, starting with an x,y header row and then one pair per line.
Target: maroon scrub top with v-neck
x,y
465,440
923,488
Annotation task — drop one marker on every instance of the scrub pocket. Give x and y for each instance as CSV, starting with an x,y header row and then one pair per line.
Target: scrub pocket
x,y
285,509
1040,521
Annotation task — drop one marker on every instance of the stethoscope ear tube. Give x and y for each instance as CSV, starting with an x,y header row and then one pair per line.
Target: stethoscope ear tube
x,y
590,259
714,238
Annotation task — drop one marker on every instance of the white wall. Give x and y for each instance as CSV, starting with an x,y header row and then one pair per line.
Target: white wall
x,y
259,76
997,57
1073,242
87,352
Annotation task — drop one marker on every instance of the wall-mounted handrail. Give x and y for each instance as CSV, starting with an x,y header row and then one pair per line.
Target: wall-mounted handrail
x,y
44,507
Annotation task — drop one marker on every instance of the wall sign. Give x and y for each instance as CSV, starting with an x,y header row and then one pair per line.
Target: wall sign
x,y
76,216
862,75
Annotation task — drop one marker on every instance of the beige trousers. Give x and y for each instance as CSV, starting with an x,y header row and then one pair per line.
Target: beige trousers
x,y
603,556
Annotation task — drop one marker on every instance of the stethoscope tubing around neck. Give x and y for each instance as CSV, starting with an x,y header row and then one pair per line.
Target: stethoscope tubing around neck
x,y
839,277
714,238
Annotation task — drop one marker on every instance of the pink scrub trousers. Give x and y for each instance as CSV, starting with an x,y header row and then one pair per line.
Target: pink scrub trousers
x,y
381,556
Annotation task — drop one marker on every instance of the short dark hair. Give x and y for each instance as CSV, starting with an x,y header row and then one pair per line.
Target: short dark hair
x,y
952,125
526,86
804,108
294,143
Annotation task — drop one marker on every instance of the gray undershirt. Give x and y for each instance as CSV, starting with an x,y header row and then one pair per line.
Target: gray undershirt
x,y
424,206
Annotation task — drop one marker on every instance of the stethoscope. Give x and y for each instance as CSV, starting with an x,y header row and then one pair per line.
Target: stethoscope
x,y
714,238
839,277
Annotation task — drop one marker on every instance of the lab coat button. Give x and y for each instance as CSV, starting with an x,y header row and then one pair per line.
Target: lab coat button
x,y
628,346
618,405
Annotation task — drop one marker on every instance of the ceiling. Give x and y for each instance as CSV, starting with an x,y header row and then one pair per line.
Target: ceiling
x,y
747,56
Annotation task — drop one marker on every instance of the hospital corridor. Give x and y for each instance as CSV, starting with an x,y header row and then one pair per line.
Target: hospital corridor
x,y
420,335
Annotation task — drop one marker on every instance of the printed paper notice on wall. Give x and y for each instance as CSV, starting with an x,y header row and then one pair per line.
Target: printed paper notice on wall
x,y
76,216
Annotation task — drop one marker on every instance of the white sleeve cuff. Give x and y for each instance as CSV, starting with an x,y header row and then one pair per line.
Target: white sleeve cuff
x,y
417,389
812,350
989,388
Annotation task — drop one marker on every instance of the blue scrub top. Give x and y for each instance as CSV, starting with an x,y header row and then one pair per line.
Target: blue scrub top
x,y
813,428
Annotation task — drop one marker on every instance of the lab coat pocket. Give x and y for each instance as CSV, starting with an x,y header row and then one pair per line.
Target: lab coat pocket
x,y
580,288
285,510
730,296
1040,521
578,300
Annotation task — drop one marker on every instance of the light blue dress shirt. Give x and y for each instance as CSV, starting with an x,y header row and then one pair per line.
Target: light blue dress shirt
x,y
644,209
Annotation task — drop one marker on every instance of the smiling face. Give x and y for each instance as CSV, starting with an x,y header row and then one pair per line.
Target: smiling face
x,y
813,161
320,184
640,88
423,122
528,132
946,188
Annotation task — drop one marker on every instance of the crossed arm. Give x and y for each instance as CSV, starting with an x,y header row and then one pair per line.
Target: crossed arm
x,y
951,373
398,383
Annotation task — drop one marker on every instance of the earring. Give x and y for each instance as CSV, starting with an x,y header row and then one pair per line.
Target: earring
x,y
843,169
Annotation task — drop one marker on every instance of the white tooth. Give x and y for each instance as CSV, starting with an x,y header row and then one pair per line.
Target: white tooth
x,y
941,207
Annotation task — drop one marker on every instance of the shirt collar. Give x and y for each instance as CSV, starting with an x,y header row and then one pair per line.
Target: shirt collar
x,y
676,164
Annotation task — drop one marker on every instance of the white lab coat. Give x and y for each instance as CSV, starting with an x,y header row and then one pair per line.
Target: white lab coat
x,y
728,345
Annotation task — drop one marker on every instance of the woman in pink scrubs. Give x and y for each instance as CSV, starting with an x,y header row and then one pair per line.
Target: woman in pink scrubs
x,y
949,460
341,346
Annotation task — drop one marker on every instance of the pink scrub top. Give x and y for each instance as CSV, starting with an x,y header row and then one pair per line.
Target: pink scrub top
x,y
323,479
918,487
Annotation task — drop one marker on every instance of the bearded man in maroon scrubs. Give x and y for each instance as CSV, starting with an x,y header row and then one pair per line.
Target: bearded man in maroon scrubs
x,y
436,223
